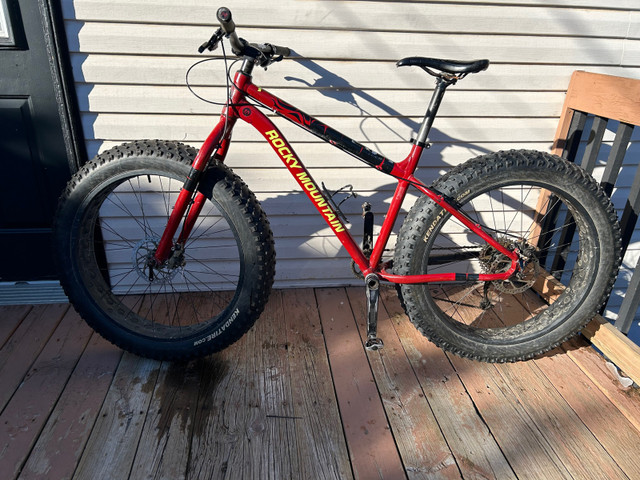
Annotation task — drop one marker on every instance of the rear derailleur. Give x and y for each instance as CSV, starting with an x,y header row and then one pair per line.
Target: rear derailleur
x,y
492,261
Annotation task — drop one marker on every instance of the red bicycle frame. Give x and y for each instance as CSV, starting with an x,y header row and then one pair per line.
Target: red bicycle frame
x,y
216,146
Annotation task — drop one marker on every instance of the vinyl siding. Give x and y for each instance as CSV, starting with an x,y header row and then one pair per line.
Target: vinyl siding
x,y
129,60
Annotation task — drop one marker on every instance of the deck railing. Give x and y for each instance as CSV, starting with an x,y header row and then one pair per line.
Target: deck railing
x,y
594,103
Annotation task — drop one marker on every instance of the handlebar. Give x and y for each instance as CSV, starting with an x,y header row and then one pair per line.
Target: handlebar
x,y
262,53
229,28
226,21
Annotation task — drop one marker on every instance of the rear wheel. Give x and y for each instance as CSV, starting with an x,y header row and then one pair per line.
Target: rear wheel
x,y
210,290
569,256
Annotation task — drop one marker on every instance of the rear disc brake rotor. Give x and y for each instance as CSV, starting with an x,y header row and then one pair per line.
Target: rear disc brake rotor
x,y
493,261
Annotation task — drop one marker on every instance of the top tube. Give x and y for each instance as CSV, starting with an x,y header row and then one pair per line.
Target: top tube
x,y
400,170
319,129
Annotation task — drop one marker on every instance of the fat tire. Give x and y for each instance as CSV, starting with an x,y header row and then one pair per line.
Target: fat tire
x,y
462,184
92,299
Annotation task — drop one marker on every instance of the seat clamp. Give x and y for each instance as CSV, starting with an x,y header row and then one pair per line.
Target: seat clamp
x,y
420,144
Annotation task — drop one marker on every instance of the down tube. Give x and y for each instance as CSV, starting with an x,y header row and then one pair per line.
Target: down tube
x,y
286,153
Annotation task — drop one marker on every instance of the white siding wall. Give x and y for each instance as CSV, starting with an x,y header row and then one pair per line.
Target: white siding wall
x,y
130,56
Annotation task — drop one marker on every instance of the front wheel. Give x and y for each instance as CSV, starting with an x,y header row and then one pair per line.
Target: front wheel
x,y
210,290
567,236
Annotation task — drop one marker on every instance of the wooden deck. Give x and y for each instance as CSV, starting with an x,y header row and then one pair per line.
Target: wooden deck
x,y
298,397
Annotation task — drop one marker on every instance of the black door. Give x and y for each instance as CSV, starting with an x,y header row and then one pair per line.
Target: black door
x,y
38,135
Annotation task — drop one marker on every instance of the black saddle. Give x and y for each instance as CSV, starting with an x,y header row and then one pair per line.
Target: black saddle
x,y
451,67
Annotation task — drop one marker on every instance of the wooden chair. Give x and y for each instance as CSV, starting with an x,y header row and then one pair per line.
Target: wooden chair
x,y
604,98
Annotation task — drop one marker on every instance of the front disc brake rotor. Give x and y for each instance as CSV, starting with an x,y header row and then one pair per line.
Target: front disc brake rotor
x,y
142,259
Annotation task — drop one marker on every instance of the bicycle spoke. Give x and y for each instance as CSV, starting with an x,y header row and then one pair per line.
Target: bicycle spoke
x,y
214,272
167,301
505,215
123,207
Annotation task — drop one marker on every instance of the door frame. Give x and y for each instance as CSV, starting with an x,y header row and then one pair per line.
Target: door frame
x,y
35,29
63,82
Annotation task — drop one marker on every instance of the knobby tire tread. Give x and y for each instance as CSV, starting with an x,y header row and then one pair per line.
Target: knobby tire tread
x,y
464,176
216,175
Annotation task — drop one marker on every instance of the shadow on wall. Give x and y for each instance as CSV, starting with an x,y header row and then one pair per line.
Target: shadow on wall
x,y
337,88
78,58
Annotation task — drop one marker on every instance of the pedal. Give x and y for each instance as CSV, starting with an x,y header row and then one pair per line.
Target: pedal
x,y
347,190
373,344
372,283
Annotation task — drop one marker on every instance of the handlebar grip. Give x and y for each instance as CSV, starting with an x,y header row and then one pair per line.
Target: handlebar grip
x,y
284,51
239,45
226,21
228,27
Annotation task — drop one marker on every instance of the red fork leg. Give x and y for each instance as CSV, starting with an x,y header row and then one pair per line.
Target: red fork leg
x,y
166,242
224,126
194,212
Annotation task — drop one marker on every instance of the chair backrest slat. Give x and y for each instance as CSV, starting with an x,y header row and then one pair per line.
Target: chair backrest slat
x,y
601,100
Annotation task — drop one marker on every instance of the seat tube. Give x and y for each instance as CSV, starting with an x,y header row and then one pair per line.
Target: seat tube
x,y
389,221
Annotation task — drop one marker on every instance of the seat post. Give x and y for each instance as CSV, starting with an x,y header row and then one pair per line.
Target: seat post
x,y
430,115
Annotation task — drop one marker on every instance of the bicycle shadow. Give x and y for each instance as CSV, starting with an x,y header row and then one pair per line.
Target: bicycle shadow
x,y
338,88
312,239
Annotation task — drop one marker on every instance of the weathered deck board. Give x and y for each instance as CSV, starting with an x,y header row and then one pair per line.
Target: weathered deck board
x,y
546,411
626,399
581,453
62,441
606,422
474,447
166,435
299,397
526,448
11,316
267,408
422,446
371,444
321,442
269,404
25,414
218,427
20,351
112,446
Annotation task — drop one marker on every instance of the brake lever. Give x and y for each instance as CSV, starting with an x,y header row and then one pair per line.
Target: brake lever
x,y
277,59
212,43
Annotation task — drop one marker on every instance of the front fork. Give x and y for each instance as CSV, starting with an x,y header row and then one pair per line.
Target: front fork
x,y
190,201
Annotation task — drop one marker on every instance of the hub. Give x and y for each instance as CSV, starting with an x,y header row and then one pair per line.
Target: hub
x,y
492,261
145,264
